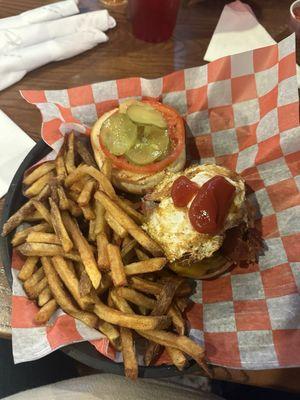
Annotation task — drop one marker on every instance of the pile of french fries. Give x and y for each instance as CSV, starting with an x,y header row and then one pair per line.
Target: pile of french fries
x,y
87,254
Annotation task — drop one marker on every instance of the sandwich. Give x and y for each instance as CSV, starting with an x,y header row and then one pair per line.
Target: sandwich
x,y
144,140
202,220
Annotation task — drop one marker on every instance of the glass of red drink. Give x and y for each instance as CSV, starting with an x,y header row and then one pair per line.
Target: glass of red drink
x,y
153,20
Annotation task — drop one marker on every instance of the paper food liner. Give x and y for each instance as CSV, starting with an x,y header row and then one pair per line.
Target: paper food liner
x,y
242,112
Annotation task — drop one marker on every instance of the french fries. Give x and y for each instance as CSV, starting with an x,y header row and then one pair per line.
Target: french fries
x,y
59,227
116,265
28,268
38,172
45,313
42,237
103,260
85,251
88,255
128,352
135,231
142,323
38,185
143,267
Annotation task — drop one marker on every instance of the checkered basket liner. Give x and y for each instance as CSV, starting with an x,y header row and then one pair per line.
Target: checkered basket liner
x,y
243,113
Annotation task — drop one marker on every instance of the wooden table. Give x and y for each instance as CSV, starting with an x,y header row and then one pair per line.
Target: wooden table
x,y
124,56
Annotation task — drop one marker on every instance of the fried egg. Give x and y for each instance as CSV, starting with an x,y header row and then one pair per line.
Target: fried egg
x,y
170,226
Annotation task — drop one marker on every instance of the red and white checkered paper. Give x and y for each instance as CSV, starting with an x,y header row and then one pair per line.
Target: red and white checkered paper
x,y
243,112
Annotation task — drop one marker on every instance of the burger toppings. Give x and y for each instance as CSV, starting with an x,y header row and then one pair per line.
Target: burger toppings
x,y
210,205
144,137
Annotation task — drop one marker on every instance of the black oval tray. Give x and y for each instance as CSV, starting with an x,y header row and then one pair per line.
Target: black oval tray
x,y
83,352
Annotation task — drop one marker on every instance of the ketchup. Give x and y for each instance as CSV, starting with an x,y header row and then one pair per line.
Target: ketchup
x,y
183,190
211,204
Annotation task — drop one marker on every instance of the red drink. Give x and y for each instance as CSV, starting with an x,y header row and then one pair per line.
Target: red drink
x,y
153,20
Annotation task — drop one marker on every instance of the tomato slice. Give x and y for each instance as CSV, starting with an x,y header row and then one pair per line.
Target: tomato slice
x,y
176,133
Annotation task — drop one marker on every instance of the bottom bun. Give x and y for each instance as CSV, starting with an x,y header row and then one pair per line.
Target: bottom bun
x,y
126,180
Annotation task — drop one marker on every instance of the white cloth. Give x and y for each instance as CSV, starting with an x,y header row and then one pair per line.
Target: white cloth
x,y
15,65
14,147
48,12
237,31
10,39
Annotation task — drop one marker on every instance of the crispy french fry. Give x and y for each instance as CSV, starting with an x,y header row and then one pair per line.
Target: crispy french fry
x,y
120,303
182,303
28,268
86,193
117,240
33,291
165,297
59,227
183,343
152,352
105,284
116,265
70,153
103,260
63,201
177,319
102,179
110,301
107,168
135,297
177,357
146,286
21,236
68,277
19,216
135,215
46,249
141,255
38,172
44,296
38,185
85,154
129,245
43,210
100,220
92,236
128,352
143,267
75,210
34,217
130,321
42,237
36,277
115,226
112,334
135,231
85,284
46,312
84,249
88,212
79,183
62,297
53,190
60,167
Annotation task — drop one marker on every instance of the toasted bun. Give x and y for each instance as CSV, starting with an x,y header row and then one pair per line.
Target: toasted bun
x,y
126,180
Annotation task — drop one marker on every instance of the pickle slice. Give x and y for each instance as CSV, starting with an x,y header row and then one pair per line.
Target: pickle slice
x,y
146,115
143,153
118,133
156,136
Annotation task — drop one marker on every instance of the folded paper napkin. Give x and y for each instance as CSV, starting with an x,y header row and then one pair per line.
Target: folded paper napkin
x,y
11,136
45,13
22,49
11,39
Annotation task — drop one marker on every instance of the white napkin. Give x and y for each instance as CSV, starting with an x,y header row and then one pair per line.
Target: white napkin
x,y
15,65
45,13
11,137
11,39
237,31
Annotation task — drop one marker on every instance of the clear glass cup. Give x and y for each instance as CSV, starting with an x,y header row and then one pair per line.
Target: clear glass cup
x,y
153,20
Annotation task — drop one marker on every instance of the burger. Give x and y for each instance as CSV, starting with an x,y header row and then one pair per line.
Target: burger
x,y
144,140
202,221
